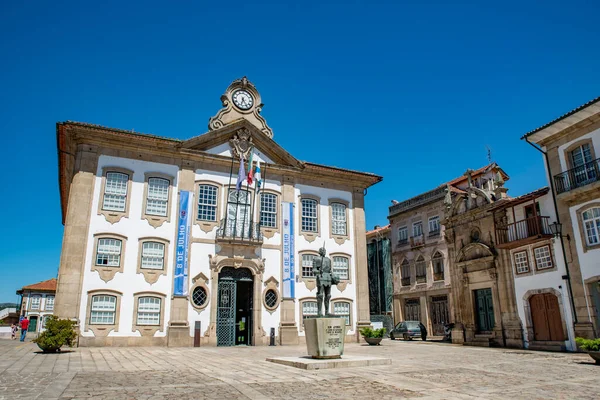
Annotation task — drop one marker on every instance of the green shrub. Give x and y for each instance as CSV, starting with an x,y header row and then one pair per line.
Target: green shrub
x,y
369,332
59,332
588,344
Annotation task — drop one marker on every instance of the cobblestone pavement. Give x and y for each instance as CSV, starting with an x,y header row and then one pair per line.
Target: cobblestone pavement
x,y
422,370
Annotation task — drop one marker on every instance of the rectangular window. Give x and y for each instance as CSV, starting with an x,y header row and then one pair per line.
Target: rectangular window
x,y
421,269
35,302
307,264
591,221
438,267
543,258
148,311
340,268
49,303
405,273
402,234
309,309
207,203
109,252
115,191
103,310
417,229
521,262
153,255
309,215
158,196
434,226
342,309
338,220
268,210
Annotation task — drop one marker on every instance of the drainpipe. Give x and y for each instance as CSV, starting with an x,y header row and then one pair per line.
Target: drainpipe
x,y
562,243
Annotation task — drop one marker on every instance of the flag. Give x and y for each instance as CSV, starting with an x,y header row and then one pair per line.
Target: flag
x,y
257,176
250,171
241,175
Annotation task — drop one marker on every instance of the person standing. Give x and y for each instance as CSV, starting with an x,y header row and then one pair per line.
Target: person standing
x,y
13,331
24,326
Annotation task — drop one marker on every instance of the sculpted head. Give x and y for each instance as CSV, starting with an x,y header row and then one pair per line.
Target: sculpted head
x,y
322,251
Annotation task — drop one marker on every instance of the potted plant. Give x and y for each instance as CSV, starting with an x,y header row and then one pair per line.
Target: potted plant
x,y
591,346
372,336
59,332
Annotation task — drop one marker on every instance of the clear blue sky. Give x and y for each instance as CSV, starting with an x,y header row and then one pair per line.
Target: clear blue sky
x,y
412,92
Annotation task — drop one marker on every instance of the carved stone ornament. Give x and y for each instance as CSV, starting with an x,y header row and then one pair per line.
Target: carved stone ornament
x,y
232,112
493,274
241,144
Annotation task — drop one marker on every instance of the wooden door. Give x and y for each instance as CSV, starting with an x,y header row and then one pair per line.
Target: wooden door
x,y
545,315
484,310
412,310
439,314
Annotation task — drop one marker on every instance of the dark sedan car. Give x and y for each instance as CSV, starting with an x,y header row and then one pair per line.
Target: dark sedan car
x,y
408,330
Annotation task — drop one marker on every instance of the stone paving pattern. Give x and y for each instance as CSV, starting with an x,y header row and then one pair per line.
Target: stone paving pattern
x,y
423,370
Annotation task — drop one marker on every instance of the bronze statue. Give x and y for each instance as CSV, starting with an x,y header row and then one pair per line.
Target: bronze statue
x,y
325,278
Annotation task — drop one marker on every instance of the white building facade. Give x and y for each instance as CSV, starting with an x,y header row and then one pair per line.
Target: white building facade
x,y
162,248
37,303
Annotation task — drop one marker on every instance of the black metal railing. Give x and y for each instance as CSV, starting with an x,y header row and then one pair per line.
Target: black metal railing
x,y
417,241
578,177
406,281
402,241
434,233
232,230
523,229
421,278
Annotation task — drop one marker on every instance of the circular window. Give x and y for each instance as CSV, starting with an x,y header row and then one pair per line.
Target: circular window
x,y
199,296
271,298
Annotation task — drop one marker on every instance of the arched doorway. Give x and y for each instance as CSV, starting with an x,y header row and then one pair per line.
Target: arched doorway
x,y
234,307
546,317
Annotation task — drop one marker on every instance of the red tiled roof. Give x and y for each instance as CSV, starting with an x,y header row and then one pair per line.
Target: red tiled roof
x,y
382,228
476,173
49,285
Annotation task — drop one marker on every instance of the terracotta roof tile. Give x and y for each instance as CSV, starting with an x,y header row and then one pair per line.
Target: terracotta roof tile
x,y
382,228
50,284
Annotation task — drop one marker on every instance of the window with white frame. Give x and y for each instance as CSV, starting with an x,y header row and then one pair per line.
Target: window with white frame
x,y
115,191
543,257
153,255
338,219
307,265
35,302
108,252
342,309
521,262
309,309
148,311
207,203
268,210
103,310
158,196
402,234
417,229
309,215
341,267
49,303
591,222
434,225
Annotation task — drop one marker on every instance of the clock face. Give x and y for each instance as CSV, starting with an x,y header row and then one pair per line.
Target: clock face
x,y
242,99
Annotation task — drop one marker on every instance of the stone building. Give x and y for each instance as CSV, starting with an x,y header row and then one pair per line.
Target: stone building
x,y
37,303
381,288
570,145
163,247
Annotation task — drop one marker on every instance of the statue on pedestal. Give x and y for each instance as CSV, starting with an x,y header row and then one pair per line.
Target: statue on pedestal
x,y
323,272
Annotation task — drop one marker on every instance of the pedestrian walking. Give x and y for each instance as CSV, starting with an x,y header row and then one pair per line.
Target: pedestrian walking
x,y
24,326
13,331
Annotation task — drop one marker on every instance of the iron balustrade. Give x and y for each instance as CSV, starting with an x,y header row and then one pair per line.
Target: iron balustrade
x,y
578,176
416,241
239,231
406,281
523,229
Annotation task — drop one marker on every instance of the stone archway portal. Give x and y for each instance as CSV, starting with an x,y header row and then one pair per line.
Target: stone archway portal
x,y
235,307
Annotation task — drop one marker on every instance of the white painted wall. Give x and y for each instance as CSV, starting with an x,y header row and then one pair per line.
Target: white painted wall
x,y
589,260
594,135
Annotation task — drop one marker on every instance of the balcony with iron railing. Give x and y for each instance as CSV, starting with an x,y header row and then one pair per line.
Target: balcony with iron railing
x,y
239,232
417,241
523,232
577,177
406,281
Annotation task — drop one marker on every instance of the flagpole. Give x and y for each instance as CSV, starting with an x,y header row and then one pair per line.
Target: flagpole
x,y
227,198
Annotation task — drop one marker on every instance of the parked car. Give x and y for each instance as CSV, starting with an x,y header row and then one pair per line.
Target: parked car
x,y
407,330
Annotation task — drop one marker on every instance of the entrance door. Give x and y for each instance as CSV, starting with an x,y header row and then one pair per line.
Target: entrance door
x,y
32,324
439,314
545,315
234,312
484,310
412,310
533,227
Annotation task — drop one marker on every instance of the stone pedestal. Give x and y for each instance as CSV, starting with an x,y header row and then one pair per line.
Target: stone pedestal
x,y
325,337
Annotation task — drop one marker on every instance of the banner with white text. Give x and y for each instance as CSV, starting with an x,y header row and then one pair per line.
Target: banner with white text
x,y
180,284
287,215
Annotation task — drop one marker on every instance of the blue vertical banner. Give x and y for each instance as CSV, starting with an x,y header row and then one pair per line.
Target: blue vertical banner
x,y
180,284
289,288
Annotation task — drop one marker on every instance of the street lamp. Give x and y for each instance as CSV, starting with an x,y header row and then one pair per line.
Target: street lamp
x,y
556,230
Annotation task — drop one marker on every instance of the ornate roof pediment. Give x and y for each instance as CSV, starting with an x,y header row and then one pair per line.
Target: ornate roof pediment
x,y
473,251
